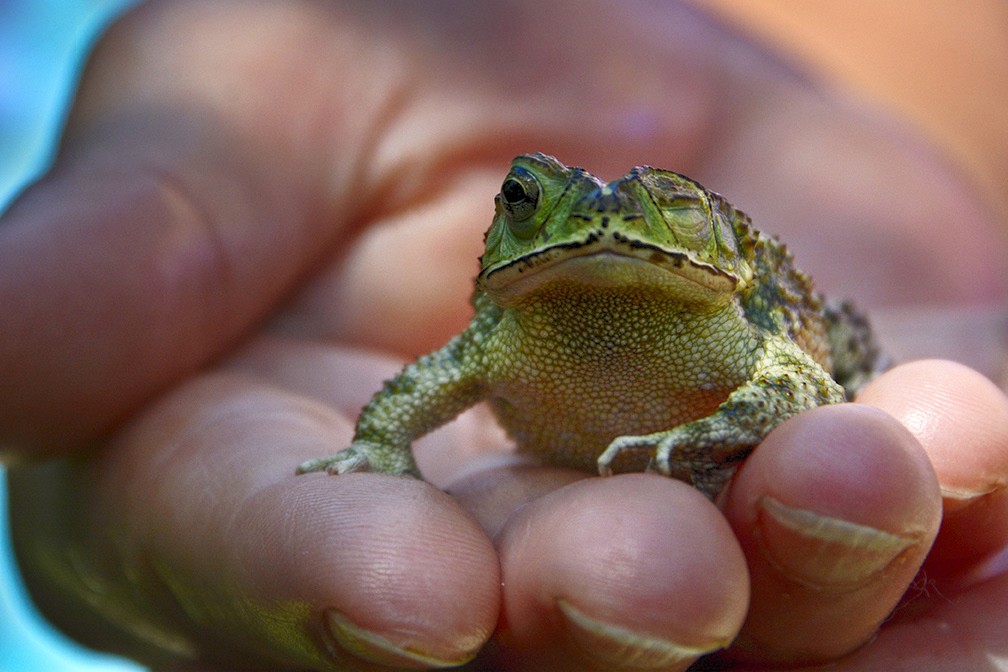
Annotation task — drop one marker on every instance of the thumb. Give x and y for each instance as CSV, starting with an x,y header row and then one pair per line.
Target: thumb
x,y
116,280
174,218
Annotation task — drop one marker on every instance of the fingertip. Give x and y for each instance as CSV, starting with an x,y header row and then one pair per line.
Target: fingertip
x,y
957,414
371,552
961,419
628,570
835,512
849,460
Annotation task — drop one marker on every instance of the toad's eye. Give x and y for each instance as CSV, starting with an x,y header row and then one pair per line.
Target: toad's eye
x,y
520,194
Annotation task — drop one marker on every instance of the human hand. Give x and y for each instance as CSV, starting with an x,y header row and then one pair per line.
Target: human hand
x,y
833,512
189,288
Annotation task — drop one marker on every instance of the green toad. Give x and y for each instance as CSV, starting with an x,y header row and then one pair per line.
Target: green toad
x,y
639,324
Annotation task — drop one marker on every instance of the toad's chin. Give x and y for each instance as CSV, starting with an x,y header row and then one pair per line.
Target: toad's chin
x,y
600,267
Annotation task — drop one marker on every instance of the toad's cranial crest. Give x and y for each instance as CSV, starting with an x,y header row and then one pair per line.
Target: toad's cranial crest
x,y
637,324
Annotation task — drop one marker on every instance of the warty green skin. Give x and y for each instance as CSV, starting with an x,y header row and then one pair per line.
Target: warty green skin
x,y
639,324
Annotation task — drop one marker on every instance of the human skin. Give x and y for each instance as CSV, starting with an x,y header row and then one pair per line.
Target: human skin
x,y
259,210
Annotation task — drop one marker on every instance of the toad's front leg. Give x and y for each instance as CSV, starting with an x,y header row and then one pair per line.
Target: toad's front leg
x,y
707,451
422,397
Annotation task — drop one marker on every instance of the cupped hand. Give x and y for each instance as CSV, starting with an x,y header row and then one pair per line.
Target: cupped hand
x,y
258,207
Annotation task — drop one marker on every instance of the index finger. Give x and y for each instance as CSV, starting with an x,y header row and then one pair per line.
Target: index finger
x,y
181,207
189,538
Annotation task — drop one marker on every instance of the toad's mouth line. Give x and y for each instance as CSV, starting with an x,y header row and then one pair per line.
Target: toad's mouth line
x,y
615,261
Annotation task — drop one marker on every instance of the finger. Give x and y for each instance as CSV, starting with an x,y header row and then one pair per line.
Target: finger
x,y
630,572
961,419
191,533
493,493
964,633
835,512
174,218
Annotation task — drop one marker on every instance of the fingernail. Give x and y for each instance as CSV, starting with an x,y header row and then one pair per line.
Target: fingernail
x,y
822,551
616,648
375,648
956,499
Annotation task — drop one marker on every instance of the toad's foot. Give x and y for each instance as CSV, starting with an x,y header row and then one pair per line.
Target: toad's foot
x,y
365,456
677,455
345,461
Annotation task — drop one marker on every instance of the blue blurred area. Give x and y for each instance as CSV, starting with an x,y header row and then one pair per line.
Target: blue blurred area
x,y
41,46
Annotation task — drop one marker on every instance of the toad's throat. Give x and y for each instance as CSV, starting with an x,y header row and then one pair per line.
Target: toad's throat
x,y
612,260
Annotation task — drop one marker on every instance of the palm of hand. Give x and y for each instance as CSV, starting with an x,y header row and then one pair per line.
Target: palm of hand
x,y
197,485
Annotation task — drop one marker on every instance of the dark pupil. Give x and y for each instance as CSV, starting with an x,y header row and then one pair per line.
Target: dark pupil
x,y
514,192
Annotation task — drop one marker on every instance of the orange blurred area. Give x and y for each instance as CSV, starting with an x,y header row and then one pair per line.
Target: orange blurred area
x,y
943,66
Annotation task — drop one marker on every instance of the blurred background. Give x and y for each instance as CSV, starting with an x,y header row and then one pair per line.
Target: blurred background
x,y
940,66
